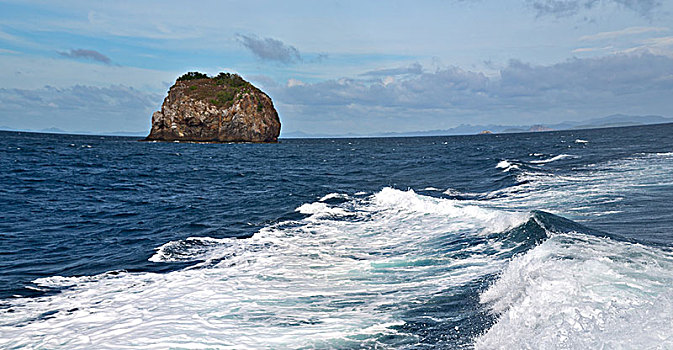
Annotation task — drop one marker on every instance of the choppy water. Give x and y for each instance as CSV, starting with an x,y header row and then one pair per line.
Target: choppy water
x,y
543,240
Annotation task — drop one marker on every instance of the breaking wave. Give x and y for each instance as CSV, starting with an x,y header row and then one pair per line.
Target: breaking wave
x,y
327,280
578,291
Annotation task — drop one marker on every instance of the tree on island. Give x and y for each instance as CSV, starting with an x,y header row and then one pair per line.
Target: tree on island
x,y
193,76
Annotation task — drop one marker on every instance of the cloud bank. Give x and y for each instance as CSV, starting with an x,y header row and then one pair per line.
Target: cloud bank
x,y
562,8
574,89
77,108
614,75
269,49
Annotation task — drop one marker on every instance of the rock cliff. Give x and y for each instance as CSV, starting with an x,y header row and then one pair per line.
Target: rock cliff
x,y
224,108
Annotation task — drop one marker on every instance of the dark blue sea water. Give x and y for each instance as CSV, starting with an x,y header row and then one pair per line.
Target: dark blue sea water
x,y
536,240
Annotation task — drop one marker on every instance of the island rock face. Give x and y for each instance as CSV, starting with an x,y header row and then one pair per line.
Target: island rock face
x,y
224,108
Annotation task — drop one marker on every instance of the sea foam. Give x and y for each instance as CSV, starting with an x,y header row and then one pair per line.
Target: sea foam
x,y
506,166
577,291
553,159
325,281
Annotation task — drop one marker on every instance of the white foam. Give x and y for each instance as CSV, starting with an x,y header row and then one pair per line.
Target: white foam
x,y
506,166
582,292
457,193
488,219
588,188
321,209
452,192
553,159
192,249
321,282
503,164
333,196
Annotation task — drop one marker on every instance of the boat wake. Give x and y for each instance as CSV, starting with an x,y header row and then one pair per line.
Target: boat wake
x,y
395,269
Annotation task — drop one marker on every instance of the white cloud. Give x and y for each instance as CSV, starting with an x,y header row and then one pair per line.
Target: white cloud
x,y
623,32
295,82
661,41
591,49
656,46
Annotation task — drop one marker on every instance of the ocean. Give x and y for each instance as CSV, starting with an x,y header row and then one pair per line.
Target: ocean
x,y
553,240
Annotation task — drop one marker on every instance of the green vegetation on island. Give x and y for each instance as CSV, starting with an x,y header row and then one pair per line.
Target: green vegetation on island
x,y
220,90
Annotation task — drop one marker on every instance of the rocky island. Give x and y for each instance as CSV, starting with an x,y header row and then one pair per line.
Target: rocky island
x,y
223,108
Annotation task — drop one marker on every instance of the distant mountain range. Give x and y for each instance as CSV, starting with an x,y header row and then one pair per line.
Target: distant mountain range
x,y
614,120
61,131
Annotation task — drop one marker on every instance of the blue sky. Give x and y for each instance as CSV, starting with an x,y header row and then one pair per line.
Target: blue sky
x,y
336,67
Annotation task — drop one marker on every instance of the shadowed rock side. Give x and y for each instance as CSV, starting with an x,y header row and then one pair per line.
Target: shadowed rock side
x,y
224,108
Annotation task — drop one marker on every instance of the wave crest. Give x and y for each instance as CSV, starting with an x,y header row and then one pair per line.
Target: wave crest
x,y
583,292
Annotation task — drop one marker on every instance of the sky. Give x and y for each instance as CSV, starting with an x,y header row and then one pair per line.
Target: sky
x,y
339,67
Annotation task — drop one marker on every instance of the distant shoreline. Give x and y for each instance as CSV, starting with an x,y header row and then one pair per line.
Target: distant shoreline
x,y
401,135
